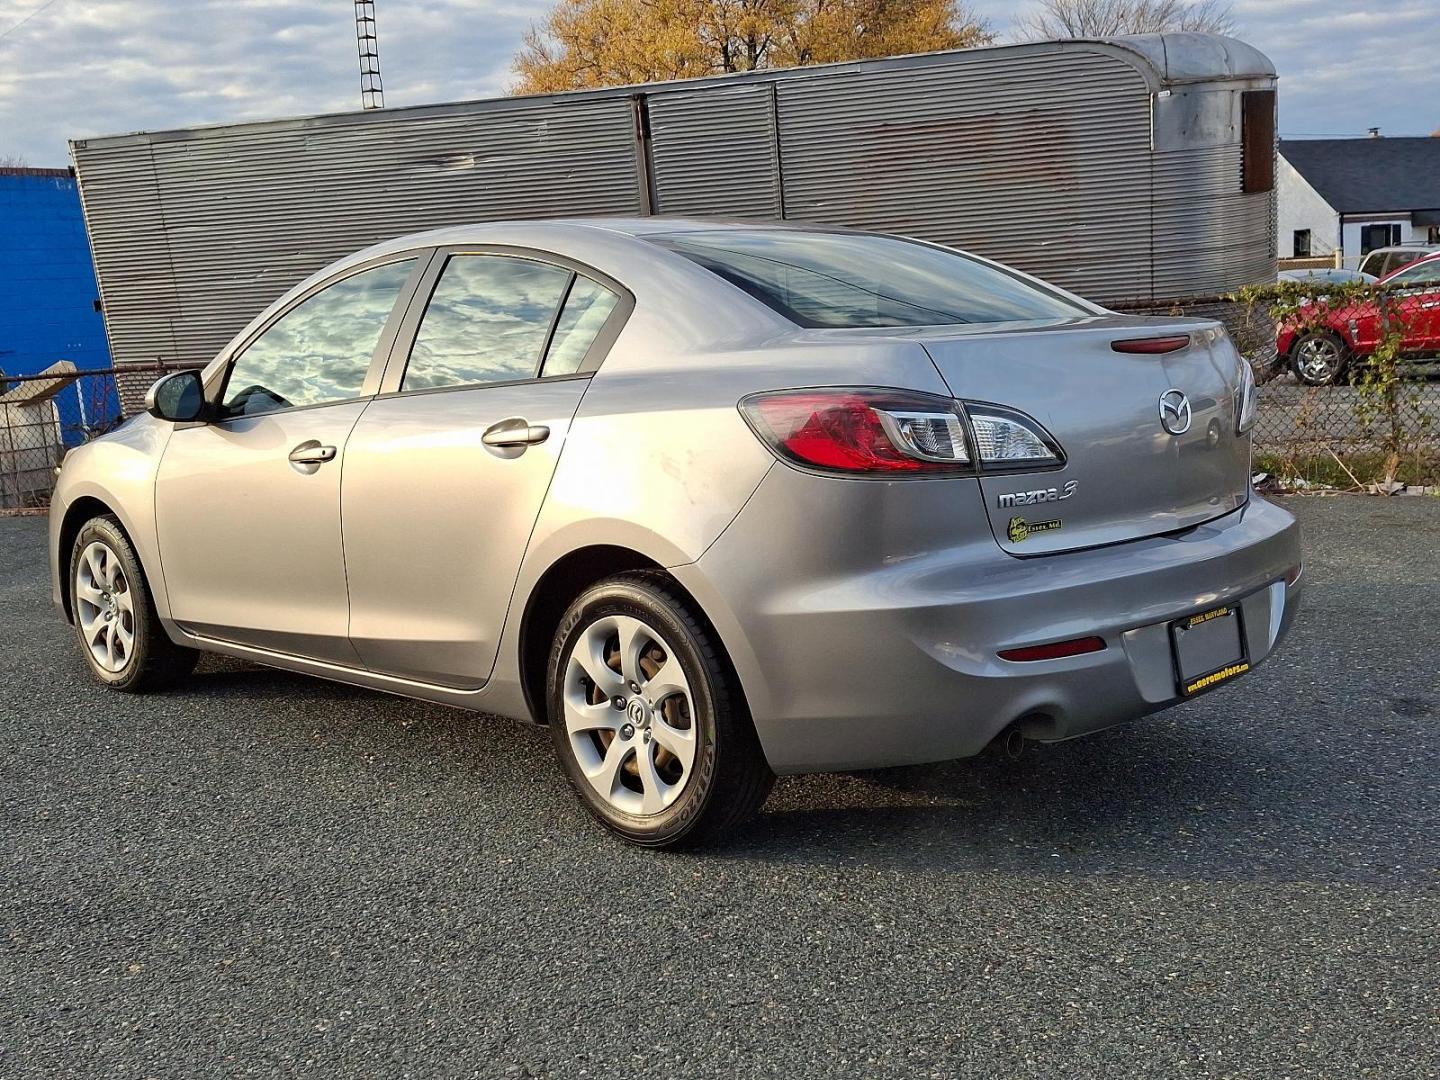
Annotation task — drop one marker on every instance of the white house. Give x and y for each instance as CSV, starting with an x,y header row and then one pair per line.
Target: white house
x,y
1356,195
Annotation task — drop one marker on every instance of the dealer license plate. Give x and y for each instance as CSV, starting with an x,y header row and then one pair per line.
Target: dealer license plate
x,y
1209,649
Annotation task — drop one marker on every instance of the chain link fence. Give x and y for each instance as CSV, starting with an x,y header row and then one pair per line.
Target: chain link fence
x,y
1349,381
1349,389
45,414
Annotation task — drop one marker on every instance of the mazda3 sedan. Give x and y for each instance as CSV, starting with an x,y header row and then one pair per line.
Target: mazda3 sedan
x,y
713,502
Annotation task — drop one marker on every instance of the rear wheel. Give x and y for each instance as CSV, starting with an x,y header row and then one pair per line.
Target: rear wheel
x,y
1318,358
648,723
120,634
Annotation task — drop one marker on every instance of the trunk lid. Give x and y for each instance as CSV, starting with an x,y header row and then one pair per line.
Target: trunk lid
x,y
1127,477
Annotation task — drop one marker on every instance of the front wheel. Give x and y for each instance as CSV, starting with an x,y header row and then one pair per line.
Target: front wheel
x,y
1318,357
648,722
120,633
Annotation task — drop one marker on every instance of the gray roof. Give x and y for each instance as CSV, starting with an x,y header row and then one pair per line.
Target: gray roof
x,y
1358,176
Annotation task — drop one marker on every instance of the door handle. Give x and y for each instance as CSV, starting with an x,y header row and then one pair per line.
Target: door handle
x,y
312,453
515,432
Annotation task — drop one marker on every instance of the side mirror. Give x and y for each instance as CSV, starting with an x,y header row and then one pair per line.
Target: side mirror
x,y
179,397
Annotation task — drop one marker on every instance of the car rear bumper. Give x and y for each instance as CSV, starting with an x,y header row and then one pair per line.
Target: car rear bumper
x,y
895,662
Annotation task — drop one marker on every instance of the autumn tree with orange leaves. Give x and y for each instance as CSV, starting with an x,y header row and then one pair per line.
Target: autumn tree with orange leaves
x,y
589,43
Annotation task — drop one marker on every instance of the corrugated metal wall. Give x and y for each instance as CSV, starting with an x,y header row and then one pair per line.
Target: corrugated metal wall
x,y
195,235
713,152
1041,159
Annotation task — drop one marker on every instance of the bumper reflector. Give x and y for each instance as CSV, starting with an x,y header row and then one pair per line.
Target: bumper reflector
x,y
1055,650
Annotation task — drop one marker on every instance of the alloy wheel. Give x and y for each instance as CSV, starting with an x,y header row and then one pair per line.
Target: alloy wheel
x,y
105,607
1317,359
629,715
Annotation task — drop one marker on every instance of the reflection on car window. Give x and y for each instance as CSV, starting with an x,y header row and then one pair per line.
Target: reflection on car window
x,y
1426,273
320,350
586,309
824,279
487,322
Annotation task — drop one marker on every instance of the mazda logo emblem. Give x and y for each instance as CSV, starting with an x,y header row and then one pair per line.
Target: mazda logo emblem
x,y
1175,412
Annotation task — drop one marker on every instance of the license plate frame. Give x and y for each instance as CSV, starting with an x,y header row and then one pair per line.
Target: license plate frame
x,y
1209,649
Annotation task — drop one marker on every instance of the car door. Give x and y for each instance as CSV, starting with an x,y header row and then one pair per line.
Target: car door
x,y
446,471
1418,305
247,504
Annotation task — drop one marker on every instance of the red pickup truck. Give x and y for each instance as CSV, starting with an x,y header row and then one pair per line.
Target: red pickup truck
x,y
1333,339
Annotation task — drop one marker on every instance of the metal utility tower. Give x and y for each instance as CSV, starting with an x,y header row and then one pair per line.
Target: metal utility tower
x,y
372,90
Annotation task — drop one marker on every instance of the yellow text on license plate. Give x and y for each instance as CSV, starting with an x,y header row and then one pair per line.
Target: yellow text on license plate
x,y
1237,668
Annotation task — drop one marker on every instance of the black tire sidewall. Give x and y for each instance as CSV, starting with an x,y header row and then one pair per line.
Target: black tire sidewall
x,y
619,597
107,530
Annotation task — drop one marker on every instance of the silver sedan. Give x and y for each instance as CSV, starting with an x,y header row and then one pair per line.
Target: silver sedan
x,y
714,502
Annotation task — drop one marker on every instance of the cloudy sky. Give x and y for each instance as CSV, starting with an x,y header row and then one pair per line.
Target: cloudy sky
x,y
71,68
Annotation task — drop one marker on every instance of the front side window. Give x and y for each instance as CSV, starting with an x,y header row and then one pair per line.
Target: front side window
x,y
320,350
844,280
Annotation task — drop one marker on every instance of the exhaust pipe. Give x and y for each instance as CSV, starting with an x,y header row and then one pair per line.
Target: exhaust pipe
x,y
1012,743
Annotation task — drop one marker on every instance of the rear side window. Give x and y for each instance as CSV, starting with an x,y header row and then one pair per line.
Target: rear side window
x,y
488,321
847,280
319,350
586,311
496,318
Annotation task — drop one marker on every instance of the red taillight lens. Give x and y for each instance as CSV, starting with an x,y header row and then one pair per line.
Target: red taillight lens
x,y
863,431
1055,650
1172,343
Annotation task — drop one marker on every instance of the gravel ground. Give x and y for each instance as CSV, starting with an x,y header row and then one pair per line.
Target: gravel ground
x,y
266,875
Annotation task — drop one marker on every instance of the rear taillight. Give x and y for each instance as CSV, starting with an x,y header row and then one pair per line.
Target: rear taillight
x,y
862,431
896,432
1152,345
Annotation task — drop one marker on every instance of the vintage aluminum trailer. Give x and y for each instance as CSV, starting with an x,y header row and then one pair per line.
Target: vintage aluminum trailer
x,y
1136,167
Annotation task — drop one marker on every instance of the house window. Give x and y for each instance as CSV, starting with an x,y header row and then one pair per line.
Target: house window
x,y
1302,243
1378,236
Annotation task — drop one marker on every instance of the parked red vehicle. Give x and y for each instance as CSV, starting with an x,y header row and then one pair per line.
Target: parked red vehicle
x,y
1332,338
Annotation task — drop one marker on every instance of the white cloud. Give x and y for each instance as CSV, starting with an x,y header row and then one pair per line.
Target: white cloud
x,y
89,67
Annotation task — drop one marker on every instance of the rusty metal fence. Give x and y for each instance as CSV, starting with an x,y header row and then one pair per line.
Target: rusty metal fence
x,y
1372,423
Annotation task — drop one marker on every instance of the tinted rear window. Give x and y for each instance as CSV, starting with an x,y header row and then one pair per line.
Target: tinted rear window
x,y
843,280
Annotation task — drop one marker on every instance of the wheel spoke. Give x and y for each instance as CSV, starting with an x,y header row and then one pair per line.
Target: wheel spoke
x,y
124,600
680,743
580,716
126,637
590,655
95,561
633,637
670,679
110,645
87,592
604,777
652,801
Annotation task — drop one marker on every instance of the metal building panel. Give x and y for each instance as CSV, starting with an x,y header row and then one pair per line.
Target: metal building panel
x,y
1039,160
713,152
250,210
126,223
1207,232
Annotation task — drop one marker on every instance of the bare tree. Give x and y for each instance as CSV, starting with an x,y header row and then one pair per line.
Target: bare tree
x,y
11,161
1051,19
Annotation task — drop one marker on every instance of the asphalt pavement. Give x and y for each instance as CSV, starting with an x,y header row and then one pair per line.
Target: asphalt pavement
x,y
266,875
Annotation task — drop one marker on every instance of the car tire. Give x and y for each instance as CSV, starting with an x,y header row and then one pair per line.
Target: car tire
x,y
683,767
120,634
1319,358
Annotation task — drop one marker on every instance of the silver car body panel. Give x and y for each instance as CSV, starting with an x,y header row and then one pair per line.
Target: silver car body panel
x,y
862,617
